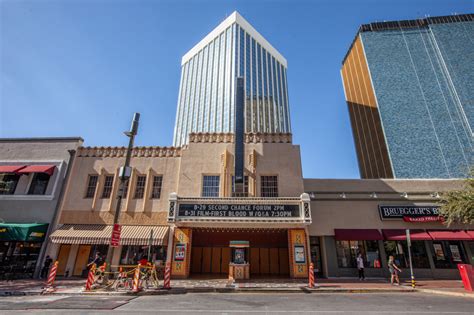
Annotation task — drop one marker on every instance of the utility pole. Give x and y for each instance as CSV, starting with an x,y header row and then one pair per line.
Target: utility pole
x,y
124,176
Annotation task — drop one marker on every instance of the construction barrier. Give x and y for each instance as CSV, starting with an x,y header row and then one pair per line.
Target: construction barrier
x,y
49,287
311,276
167,277
136,279
90,278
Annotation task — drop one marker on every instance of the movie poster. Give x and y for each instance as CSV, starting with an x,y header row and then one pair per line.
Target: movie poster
x,y
179,252
299,254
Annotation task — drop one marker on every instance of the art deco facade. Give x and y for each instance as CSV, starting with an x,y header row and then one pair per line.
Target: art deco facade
x,y
409,86
208,71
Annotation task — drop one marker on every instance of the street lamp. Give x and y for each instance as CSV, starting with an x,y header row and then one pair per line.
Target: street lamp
x,y
124,175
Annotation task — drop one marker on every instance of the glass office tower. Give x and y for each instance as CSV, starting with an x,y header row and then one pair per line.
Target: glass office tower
x,y
208,71
409,86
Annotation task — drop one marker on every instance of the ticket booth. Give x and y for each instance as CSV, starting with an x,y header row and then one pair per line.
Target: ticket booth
x,y
239,267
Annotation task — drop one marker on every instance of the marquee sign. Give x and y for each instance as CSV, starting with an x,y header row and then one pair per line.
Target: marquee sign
x,y
239,210
411,213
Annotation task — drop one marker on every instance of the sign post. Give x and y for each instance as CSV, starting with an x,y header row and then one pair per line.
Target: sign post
x,y
409,258
115,240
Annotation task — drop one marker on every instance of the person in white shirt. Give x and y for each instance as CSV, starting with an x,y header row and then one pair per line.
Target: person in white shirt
x,y
360,266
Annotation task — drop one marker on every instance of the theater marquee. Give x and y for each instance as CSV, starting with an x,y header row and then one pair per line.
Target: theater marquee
x,y
239,210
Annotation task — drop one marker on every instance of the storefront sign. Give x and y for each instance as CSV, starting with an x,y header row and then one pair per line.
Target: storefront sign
x,y
115,240
238,210
410,213
422,219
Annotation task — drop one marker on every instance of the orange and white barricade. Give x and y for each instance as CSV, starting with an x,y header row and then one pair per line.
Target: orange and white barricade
x,y
90,278
51,277
136,280
311,275
167,277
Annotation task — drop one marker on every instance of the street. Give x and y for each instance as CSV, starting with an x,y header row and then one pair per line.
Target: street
x,y
255,303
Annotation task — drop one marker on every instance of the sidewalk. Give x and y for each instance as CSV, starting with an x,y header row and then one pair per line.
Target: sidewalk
x,y
76,286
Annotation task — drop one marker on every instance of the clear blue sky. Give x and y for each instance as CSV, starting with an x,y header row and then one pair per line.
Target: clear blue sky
x,y
81,68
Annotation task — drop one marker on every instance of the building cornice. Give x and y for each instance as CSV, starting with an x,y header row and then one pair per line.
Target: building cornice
x,y
205,137
136,152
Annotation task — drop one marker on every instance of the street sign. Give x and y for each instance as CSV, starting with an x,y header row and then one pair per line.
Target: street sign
x,y
115,240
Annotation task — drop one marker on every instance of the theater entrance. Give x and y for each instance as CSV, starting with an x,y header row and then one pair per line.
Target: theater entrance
x,y
268,251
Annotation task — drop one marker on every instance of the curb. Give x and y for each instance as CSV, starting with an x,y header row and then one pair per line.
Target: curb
x,y
441,292
179,290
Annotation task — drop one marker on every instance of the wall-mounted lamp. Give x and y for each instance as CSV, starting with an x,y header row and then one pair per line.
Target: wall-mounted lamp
x,y
373,195
404,195
343,195
435,195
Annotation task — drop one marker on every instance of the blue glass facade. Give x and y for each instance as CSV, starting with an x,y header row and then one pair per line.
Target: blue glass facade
x,y
206,98
423,79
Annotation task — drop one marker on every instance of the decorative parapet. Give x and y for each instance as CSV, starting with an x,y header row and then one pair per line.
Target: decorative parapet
x,y
121,152
205,137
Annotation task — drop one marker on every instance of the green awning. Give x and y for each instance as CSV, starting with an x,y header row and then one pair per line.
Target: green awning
x,y
27,232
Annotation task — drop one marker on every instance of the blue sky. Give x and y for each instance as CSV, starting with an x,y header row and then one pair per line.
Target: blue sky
x,y
81,68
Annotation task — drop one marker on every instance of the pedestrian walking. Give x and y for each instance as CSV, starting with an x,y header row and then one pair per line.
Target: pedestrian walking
x,y
97,260
47,263
360,267
394,271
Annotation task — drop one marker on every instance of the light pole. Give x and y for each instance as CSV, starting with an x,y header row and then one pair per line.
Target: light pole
x,y
124,175
409,257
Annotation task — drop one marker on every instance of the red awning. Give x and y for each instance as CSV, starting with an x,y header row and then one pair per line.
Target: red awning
x,y
471,234
11,168
449,235
357,234
400,235
48,169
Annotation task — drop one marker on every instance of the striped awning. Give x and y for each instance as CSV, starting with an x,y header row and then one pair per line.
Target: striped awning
x,y
101,234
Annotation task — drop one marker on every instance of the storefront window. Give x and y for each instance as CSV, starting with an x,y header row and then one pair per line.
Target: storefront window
x,y
399,250
447,254
316,254
347,252
131,254
18,259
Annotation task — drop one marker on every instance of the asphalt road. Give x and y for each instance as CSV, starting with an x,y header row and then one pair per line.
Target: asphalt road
x,y
251,303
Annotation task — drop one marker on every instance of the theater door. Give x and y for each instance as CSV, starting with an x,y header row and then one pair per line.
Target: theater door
x,y
268,251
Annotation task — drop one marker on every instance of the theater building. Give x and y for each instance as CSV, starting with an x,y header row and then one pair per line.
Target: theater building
x,y
229,199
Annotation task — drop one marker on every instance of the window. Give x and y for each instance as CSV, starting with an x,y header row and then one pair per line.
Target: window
x,y
447,254
347,252
156,189
140,187
8,182
39,183
91,186
108,182
269,186
399,250
210,186
131,254
246,184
